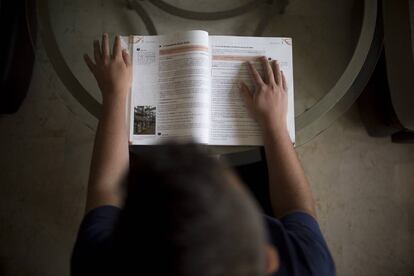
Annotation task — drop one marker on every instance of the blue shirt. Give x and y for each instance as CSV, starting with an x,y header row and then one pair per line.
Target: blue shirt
x,y
297,237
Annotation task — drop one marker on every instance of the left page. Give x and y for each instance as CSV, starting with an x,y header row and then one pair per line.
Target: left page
x,y
170,88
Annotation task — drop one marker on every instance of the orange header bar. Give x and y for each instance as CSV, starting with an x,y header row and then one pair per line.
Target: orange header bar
x,y
183,49
236,58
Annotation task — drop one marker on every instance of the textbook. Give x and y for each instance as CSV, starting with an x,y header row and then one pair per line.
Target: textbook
x,y
185,87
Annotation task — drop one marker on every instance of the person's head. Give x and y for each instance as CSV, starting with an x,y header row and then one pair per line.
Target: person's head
x,y
187,214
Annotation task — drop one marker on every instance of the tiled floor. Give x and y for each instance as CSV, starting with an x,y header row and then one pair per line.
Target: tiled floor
x,y
364,186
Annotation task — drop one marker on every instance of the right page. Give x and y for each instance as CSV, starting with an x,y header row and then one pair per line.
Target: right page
x,y
230,123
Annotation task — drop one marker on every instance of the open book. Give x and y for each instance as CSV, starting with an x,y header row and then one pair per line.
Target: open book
x,y
185,87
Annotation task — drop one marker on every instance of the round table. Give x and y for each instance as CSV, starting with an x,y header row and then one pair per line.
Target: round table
x,y
336,45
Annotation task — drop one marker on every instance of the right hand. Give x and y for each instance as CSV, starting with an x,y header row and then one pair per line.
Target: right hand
x,y
267,103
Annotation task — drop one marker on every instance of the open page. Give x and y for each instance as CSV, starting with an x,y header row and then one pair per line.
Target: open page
x,y
170,92
230,123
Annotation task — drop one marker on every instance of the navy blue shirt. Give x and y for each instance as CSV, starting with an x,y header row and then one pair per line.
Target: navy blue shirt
x,y
297,237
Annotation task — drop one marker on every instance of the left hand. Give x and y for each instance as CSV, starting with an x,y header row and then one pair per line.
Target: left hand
x,y
112,72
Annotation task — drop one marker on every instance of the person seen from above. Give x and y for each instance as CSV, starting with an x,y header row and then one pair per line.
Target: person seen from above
x,y
173,210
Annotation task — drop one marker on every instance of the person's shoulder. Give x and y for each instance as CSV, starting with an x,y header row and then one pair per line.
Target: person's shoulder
x,y
93,239
98,220
301,244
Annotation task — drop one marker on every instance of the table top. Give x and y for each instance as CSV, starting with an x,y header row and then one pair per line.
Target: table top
x,y
331,43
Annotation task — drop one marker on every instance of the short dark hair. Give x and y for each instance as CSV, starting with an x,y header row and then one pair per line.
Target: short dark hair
x,y
182,217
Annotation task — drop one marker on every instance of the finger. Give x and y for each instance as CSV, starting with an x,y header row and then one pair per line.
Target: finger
x,y
126,57
276,72
268,71
246,94
255,75
89,62
97,51
284,84
117,47
105,46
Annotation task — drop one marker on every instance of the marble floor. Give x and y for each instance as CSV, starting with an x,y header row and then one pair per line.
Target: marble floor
x,y
364,186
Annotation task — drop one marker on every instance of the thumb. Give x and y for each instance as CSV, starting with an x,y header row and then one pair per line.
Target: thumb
x,y
126,57
89,63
